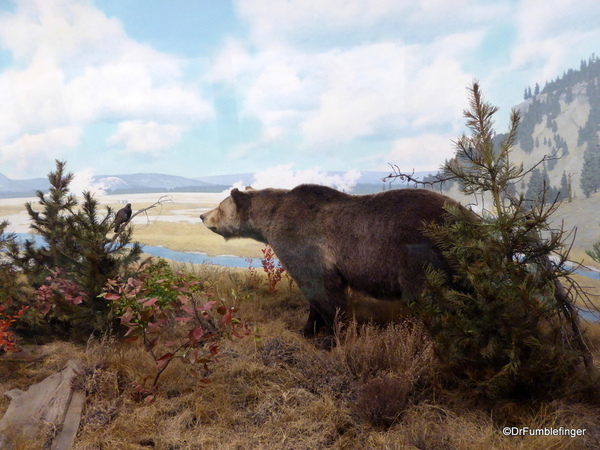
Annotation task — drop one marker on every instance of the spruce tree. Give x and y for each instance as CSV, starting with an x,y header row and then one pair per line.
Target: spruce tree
x,y
505,324
594,253
564,188
535,187
51,226
75,240
569,96
590,172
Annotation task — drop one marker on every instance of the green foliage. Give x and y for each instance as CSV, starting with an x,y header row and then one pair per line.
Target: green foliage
x,y
159,281
594,253
50,224
537,186
12,287
588,73
503,325
77,247
12,290
588,70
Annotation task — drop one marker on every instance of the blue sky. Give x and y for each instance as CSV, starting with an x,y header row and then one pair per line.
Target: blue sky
x,y
207,87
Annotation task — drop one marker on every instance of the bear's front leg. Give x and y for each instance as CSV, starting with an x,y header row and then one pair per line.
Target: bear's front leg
x,y
321,284
314,323
327,297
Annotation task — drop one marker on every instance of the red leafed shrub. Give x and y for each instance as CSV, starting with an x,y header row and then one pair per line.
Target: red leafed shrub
x,y
58,291
145,305
6,320
272,268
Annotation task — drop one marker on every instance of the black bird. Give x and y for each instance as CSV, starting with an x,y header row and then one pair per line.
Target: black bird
x,y
122,216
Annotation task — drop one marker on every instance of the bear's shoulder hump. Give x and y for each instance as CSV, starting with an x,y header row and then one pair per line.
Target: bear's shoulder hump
x,y
316,190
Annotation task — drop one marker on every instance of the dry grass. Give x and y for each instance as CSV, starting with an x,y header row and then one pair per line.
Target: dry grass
x,y
377,389
194,237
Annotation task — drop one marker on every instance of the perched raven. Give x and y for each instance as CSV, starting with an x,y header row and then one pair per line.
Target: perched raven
x,y
122,216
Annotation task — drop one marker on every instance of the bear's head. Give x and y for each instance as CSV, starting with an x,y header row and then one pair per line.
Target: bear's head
x,y
225,219
231,219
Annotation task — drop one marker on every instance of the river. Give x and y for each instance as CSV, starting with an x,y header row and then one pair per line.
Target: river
x,y
186,257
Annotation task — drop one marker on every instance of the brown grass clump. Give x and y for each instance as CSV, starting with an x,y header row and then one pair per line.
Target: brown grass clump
x,y
391,366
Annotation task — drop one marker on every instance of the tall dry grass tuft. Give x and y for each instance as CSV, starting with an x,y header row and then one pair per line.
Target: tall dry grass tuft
x,y
391,365
403,349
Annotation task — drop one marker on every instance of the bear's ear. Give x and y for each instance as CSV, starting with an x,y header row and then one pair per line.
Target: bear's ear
x,y
241,199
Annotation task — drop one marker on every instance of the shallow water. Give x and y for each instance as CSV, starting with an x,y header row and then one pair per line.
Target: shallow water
x,y
186,257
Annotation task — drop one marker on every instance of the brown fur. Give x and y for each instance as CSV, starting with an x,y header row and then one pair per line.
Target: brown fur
x,y
330,241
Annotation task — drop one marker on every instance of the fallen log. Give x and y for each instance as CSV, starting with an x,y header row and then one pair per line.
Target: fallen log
x,y
49,411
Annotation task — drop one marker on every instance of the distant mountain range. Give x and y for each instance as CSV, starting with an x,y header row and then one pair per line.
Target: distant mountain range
x,y
17,188
157,182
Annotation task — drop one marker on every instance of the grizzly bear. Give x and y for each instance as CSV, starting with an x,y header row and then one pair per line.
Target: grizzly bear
x,y
329,241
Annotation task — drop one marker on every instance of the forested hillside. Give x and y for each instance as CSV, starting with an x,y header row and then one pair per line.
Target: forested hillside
x,y
562,120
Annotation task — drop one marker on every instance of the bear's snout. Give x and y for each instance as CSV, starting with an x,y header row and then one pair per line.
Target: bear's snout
x,y
203,218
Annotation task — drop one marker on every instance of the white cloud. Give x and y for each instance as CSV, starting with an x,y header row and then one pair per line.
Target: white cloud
x,y
138,136
226,66
75,66
363,88
37,96
436,81
541,20
299,21
39,149
420,153
272,18
551,37
282,176
545,59
336,96
126,90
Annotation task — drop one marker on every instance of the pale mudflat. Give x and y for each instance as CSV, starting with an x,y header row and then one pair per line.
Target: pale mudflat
x,y
174,224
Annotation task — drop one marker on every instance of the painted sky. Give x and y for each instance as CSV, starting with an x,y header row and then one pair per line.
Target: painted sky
x,y
206,87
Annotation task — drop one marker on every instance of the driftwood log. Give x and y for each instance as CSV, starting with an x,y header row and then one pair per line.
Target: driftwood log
x,y
49,411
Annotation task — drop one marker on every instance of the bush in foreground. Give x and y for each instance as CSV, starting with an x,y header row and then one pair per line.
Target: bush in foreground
x,y
510,329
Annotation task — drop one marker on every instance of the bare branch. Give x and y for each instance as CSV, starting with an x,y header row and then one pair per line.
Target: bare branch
x,y
123,226
398,174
